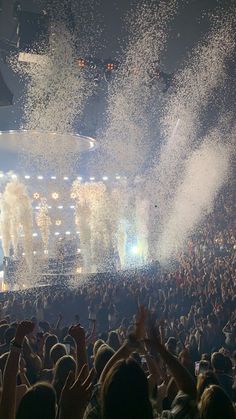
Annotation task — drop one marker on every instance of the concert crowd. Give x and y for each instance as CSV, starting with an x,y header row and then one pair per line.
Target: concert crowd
x,y
145,344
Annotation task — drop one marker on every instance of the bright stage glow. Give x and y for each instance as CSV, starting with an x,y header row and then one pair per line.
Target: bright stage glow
x,y
58,222
53,177
55,195
73,195
105,178
92,178
57,233
35,234
66,178
39,177
27,177
67,233
36,195
60,207
14,176
135,250
1,175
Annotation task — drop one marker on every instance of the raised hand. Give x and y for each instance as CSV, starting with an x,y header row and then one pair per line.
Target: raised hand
x,y
23,329
76,394
77,332
140,329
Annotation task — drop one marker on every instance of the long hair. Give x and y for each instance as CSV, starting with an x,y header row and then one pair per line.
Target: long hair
x,y
39,402
215,403
63,366
125,392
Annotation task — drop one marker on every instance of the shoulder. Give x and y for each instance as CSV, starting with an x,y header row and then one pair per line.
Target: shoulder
x,y
183,407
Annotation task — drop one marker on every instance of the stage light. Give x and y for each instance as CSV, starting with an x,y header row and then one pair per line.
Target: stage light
x,y
53,177
45,252
14,176
35,234
55,195
77,232
79,178
105,178
58,222
135,250
1,175
34,252
78,270
36,195
72,206
23,254
117,177
56,233
78,250
60,207
27,177
40,177
92,178
66,178
37,208
67,233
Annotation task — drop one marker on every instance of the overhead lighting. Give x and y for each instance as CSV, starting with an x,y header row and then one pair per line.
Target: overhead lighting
x,y
67,233
66,178
58,222
60,206
27,177
56,233
14,176
34,252
53,177
40,177
1,175
105,178
55,195
92,178
79,178
36,195
117,177
78,250
35,234
72,206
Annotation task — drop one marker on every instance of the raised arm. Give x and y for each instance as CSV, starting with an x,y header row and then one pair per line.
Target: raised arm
x,y
181,376
78,334
8,401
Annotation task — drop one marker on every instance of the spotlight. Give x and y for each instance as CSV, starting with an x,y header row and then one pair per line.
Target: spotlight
x,y
73,195
105,178
40,177
67,233
55,195
79,178
57,233
60,207
14,176
1,175
92,178
58,222
72,206
35,234
53,177
27,177
66,178
36,195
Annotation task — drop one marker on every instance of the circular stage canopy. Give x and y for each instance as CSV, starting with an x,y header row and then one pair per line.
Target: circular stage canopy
x,y
17,141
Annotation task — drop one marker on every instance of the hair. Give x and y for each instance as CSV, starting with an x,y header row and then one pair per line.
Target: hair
x,y
97,345
50,341
57,351
103,355
63,366
9,334
218,361
113,340
215,403
124,392
204,380
39,402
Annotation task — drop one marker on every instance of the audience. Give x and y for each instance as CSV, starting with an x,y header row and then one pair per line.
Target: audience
x,y
150,344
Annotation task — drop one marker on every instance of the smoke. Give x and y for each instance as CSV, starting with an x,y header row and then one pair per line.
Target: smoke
x,y
197,89
126,139
44,222
206,171
16,219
